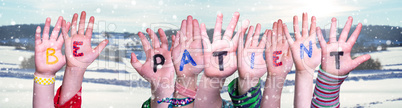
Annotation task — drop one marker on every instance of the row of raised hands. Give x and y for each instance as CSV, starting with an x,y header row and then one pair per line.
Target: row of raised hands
x,y
192,52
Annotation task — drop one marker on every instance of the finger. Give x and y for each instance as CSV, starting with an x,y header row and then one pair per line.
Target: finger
x,y
346,29
135,63
74,25
164,40
296,27
263,40
189,32
144,41
256,35
305,25
101,46
321,39
313,29
332,33
183,28
242,31
60,41
288,38
240,47
232,25
37,36
355,35
235,42
359,60
249,37
81,26
197,32
56,29
274,35
313,26
172,46
64,29
206,43
218,27
269,41
280,32
45,35
154,38
176,40
90,27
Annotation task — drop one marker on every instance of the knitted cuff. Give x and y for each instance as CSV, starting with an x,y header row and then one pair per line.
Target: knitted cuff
x,y
326,92
251,99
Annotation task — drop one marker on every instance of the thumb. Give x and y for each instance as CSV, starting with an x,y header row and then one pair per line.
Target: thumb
x,y
101,46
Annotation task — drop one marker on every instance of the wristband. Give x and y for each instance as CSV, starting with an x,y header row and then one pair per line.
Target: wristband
x,y
184,91
44,81
251,99
326,92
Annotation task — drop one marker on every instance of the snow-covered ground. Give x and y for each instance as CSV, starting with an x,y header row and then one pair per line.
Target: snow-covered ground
x,y
16,92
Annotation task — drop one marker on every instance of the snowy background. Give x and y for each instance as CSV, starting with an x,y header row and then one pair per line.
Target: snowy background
x,y
112,81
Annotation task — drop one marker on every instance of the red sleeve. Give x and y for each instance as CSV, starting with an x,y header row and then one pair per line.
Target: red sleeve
x,y
74,102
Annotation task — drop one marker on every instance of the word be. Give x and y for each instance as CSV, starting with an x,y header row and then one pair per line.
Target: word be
x,y
252,60
155,61
51,54
309,51
336,54
184,61
275,58
220,55
76,48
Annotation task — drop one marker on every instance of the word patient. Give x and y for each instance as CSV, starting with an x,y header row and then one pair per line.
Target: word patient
x,y
184,61
76,48
309,51
276,58
156,62
336,54
252,60
220,55
51,54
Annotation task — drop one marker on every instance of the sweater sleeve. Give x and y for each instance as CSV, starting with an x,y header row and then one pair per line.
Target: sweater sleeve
x,y
74,102
326,92
251,99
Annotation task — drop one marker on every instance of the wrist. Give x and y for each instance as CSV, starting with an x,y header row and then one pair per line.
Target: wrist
x,y
187,82
44,75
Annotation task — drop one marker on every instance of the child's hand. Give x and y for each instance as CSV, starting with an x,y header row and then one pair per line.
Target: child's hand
x,y
79,52
161,76
189,39
220,56
305,57
278,48
48,56
250,59
333,49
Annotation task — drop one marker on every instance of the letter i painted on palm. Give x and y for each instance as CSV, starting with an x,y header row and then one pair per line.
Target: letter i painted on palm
x,y
276,58
76,48
252,60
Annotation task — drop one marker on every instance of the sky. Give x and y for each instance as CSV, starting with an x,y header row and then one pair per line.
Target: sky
x,y
137,15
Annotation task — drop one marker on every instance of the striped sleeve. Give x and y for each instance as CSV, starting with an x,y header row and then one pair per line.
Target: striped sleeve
x,y
251,99
326,92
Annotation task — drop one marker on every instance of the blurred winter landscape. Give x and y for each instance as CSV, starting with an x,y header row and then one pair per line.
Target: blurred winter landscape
x,y
111,81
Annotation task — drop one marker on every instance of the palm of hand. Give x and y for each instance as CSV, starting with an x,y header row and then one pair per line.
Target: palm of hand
x,y
285,58
163,74
89,54
307,63
195,51
48,56
329,62
212,68
252,70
